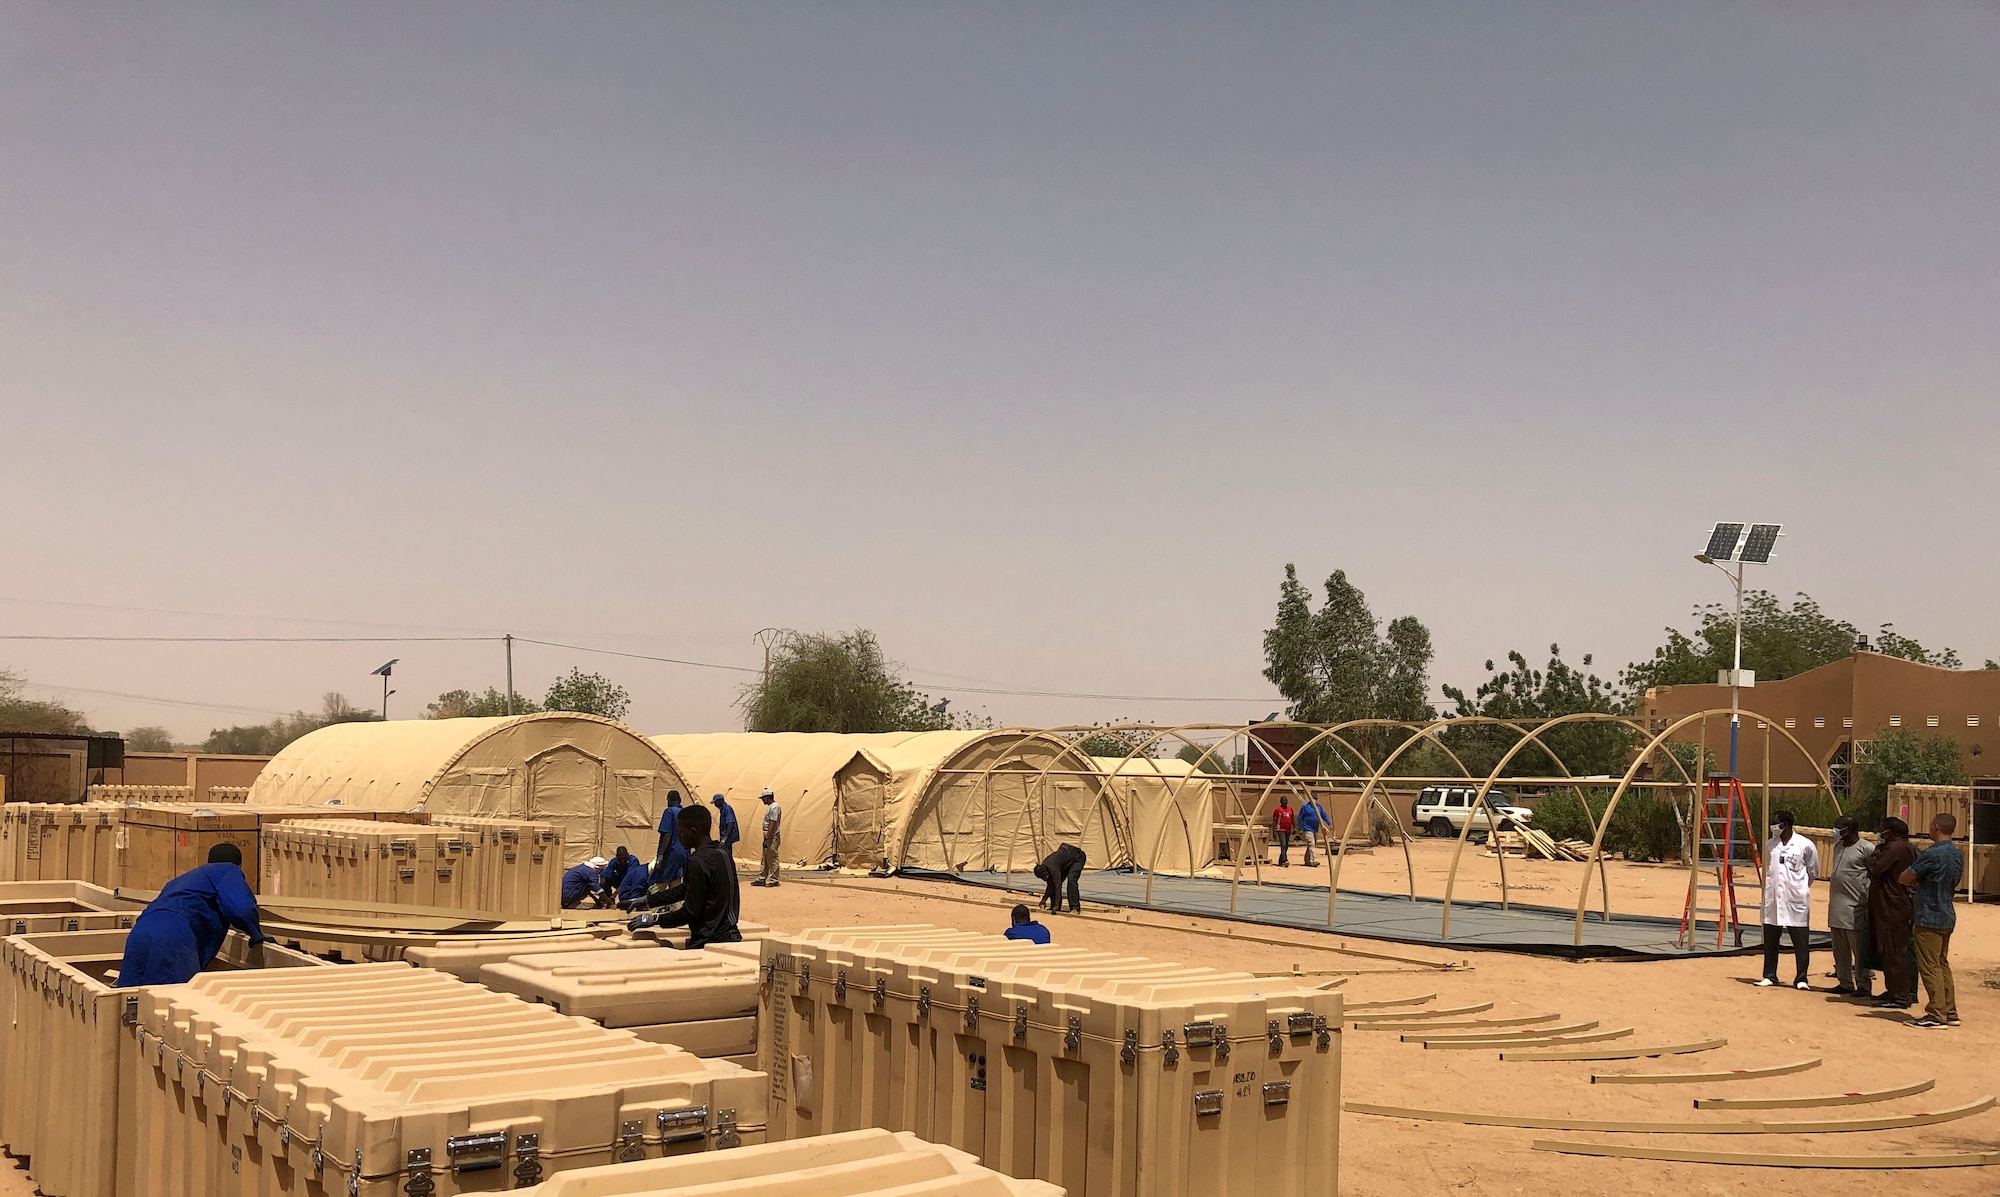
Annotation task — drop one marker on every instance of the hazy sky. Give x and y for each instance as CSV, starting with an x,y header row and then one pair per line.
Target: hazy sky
x,y
1035,337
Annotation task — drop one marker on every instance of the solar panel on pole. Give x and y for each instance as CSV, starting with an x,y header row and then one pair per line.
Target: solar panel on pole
x,y
1758,545
1722,542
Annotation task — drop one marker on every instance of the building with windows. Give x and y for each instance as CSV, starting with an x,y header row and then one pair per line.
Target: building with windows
x,y
1835,710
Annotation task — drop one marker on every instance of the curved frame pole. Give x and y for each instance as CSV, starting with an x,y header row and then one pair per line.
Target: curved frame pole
x,y
1652,746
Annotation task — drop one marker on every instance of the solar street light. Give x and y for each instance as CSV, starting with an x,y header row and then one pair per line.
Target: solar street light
x,y
383,673
1745,544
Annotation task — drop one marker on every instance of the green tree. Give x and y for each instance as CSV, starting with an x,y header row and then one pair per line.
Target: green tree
x,y
1211,762
1524,694
265,739
20,713
1901,756
149,739
587,694
822,683
1334,664
1778,642
470,704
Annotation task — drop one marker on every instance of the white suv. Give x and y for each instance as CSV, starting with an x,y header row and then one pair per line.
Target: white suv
x,y
1444,810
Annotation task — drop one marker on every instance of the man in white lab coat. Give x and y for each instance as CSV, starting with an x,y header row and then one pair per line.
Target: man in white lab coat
x,y
1790,864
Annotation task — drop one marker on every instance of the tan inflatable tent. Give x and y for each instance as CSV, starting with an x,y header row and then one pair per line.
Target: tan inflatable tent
x,y
1168,810
600,781
930,800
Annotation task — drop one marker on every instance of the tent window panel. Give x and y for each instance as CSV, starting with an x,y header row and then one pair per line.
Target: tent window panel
x,y
636,798
490,792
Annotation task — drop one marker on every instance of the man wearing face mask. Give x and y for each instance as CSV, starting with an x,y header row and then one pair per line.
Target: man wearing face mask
x,y
1790,864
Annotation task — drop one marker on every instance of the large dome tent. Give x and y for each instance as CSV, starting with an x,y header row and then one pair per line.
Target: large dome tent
x,y
601,782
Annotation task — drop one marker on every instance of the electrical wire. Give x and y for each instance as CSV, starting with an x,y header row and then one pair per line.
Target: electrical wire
x,y
260,639
168,702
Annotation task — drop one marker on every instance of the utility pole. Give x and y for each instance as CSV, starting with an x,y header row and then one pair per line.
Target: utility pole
x,y
384,671
1741,544
509,638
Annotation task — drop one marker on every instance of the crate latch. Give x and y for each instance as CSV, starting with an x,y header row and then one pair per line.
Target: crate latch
x,y
1073,1037
725,1130
1172,1052
1207,1102
420,1183
527,1160
132,1010
1130,1052
840,986
881,992
972,1014
1277,1093
631,1142
1299,1023
1276,1037
924,1002
1020,1022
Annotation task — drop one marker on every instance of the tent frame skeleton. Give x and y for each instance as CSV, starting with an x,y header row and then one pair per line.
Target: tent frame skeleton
x,y
1151,742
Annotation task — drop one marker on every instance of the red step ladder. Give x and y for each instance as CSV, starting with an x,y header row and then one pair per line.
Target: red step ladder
x,y
1725,840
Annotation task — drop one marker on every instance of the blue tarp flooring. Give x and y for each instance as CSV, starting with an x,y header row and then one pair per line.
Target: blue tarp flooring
x,y
1542,930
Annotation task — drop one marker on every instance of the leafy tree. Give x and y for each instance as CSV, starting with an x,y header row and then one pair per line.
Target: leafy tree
x,y
20,713
1211,762
1901,756
587,694
1334,665
149,739
1115,741
1525,694
265,739
1778,642
462,704
822,683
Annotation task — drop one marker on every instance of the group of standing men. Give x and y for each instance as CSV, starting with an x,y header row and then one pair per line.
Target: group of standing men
x,y
1307,823
1889,907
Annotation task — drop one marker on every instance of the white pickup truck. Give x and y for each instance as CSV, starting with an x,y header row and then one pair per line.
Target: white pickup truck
x,y
1444,810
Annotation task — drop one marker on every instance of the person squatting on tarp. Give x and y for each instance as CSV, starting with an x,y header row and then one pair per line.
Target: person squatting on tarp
x,y
582,882
613,874
1062,869
634,886
708,897
183,928
1790,864
1891,910
767,869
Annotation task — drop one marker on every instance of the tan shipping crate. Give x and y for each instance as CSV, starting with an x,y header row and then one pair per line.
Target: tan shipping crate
x,y
516,863
66,1048
1105,1074
162,842
857,1163
703,1002
382,1079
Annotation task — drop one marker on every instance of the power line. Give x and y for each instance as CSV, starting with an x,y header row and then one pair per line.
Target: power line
x,y
612,652
168,702
261,639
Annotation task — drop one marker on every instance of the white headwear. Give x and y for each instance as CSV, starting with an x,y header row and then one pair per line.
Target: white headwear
x,y
597,862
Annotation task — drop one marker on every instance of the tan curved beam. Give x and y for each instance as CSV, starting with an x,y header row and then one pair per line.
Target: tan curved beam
x,y
1877,1162
1703,1078
1624,783
1815,1100
1623,1053
1642,1126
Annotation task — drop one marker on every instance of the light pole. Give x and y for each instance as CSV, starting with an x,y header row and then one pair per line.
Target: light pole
x,y
384,671
1745,544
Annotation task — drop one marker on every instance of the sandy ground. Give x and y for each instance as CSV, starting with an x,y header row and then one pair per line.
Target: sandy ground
x,y
1665,1001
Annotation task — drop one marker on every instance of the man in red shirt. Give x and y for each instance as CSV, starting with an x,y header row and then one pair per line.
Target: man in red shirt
x,y
1281,822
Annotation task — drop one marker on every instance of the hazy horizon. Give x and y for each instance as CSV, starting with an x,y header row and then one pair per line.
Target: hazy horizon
x,y
1037,340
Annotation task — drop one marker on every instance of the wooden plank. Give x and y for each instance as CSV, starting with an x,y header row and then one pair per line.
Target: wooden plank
x,y
1501,1034
1757,1159
1702,1078
1860,1098
1642,1126
1623,1053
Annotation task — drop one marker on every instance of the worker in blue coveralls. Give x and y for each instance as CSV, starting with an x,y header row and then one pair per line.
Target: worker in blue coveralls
x,y
633,886
669,832
613,876
582,882
183,928
727,834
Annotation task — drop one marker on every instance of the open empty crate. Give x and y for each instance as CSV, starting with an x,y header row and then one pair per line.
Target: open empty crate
x,y
35,907
385,1079
67,1054
853,1164
1107,1075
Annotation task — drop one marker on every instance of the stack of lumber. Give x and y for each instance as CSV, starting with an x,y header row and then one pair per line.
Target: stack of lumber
x,y
1529,842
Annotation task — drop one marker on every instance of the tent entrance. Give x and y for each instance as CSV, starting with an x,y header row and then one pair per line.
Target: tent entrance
x,y
566,787
860,814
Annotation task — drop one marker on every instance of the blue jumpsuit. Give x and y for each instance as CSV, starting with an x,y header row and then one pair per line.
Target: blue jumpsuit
x,y
637,880
579,883
726,830
182,930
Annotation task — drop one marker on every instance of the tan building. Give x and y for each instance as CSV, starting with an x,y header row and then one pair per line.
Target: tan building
x,y
1839,706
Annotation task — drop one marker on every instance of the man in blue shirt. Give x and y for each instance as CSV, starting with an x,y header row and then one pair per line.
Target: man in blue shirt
x,y
582,882
1935,875
1312,818
1025,927
183,928
613,876
727,834
669,829
632,888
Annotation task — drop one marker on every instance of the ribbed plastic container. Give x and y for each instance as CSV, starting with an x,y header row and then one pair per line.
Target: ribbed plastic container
x,y
516,864
66,1053
37,907
385,1079
704,1001
1108,1075
855,1164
